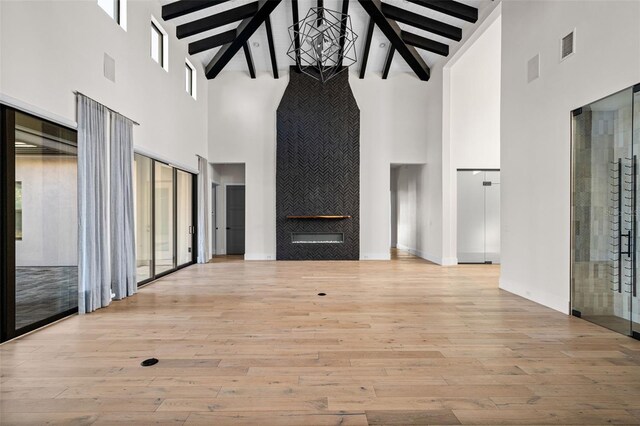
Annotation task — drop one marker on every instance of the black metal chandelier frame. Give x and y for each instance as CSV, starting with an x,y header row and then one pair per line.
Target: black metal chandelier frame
x,y
323,43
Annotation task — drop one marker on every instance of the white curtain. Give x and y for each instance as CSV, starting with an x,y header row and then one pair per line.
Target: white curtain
x,y
203,210
123,253
94,280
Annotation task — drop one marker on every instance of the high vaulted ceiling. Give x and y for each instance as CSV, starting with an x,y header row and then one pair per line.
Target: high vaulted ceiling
x,y
443,18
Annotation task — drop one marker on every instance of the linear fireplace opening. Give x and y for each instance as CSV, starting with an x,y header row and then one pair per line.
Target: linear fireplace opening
x,y
317,237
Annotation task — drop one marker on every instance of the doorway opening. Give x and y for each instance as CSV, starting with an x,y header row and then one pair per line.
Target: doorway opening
x,y
228,210
407,210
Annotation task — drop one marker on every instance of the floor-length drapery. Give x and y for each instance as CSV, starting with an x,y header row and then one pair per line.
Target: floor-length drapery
x,y
203,210
94,281
123,255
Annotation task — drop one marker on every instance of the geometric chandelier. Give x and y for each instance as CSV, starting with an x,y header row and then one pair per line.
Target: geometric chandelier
x,y
323,53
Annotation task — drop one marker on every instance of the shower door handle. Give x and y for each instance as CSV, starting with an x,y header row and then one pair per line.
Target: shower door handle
x,y
629,250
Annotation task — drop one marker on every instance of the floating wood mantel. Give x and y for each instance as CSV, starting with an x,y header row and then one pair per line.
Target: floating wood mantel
x,y
320,217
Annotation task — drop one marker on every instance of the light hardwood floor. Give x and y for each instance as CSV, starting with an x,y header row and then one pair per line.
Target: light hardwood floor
x,y
401,342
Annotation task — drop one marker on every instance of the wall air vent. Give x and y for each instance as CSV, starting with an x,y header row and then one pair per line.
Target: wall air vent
x,y
109,68
568,45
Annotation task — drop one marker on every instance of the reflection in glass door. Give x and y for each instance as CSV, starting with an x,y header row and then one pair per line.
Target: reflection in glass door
x,y
164,241
39,222
185,229
604,222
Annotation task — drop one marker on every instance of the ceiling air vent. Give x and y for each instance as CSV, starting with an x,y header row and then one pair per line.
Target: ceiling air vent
x,y
568,45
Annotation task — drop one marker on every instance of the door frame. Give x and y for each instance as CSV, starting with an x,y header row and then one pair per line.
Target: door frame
x,y
214,217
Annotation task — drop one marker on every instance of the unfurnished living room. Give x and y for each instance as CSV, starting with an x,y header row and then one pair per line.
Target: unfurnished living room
x,y
319,212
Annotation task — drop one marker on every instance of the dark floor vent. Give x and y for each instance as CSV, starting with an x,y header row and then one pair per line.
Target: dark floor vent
x,y
149,362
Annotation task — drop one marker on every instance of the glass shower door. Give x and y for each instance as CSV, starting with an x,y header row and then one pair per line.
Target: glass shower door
x,y
603,269
470,216
478,233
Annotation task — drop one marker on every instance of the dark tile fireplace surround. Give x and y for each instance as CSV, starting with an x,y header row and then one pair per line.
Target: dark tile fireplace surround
x,y
318,170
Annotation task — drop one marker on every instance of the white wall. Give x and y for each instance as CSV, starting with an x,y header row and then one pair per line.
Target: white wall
x,y
223,175
51,48
242,129
435,228
49,211
474,116
392,130
475,102
536,133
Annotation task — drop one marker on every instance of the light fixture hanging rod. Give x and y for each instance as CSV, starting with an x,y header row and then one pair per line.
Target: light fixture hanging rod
x,y
320,12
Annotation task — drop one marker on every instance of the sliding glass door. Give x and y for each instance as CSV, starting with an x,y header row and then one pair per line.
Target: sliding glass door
x,y
185,227
39,222
143,206
164,219
165,222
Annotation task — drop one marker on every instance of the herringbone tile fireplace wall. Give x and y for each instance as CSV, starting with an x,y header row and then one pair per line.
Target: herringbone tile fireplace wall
x,y
318,167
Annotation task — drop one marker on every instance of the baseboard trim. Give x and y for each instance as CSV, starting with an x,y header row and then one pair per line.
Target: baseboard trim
x,y
447,261
375,256
562,306
259,256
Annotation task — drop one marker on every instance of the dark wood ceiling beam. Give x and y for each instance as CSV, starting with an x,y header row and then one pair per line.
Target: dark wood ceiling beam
x,y
451,8
392,31
245,30
184,7
425,43
212,42
387,62
367,47
422,22
218,20
272,49
249,58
